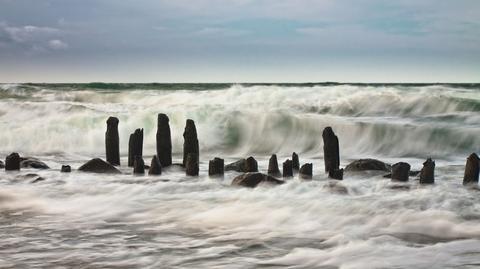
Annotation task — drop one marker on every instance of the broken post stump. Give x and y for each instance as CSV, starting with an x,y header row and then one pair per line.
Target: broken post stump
x,y
112,141
164,140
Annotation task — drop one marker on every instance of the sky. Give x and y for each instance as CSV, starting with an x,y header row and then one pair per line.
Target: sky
x,y
239,40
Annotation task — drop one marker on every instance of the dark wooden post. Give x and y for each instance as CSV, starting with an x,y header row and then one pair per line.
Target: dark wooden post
x,y
400,172
12,162
331,152
471,170
190,144
427,175
287,168
164,140
112,141
155,166
306,171
216,167
273,169
135,146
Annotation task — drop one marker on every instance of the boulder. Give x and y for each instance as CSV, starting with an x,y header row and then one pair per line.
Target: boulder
x,y
192,165
288,168
471,170
331,151
273,169
155,166
238,166
427,175
251,165
252,180
336,174
98,165
367,165
400,172
12,162
190,145
216,167
112,141
306,171
135,146
295,162
138,165
29,162
66,169
164,140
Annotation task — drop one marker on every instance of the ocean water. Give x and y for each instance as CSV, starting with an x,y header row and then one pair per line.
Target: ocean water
x,y
83,220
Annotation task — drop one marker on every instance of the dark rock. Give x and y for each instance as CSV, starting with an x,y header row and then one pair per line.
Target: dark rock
x,y
288,168
164,141
66,169
400,171
411,173
38,179
12,162
336,174
367,165
29,162
273,169
135,146
251,165
306,171
238,166
192,166
427,175
190,145
336,187
138,165
98,165
2,165
155,166
400,187
112,141
295,162
216,167
34,178
471,170
331,151
252,180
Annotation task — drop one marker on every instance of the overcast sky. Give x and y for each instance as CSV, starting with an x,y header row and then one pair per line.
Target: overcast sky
x,y
239,40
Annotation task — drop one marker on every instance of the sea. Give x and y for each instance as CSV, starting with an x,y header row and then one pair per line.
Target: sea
x,y
86,220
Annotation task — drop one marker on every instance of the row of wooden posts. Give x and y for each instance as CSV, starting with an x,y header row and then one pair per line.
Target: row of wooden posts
x,y
163,158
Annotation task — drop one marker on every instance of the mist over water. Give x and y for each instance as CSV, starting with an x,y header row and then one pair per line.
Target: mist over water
x,y
174,221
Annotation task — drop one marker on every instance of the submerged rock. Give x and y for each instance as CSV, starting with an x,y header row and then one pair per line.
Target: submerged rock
x,y
34,178
29,162
252,180
273,169
216,167
471,170
112,141
367,165
98,165
427,175
155,166
306,171
238,166
66,169
12,162
336,187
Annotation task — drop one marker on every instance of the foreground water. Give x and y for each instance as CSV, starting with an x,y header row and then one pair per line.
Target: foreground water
x,y
94,221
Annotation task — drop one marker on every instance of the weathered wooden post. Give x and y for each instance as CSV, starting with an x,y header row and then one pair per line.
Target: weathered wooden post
x,y
216,167
12,162
306,171
471,170
112,141
191,165
288,168
331,153
66,169
400,172
155,166
138,165
273,169
190,145
427,175
135,146
295,162
251,165
164,140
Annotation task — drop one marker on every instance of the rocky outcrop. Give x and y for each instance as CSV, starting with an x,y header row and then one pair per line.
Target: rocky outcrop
x,y
190,145
138,165
155,167
273,169
12,162
66,169
135,146
331,151
400,172
288,168
238,166
295,162
192,165
306,171
98,165
112,141
427,175
251,165
252,180
216,167
29,162
471,170
367,165
164,140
